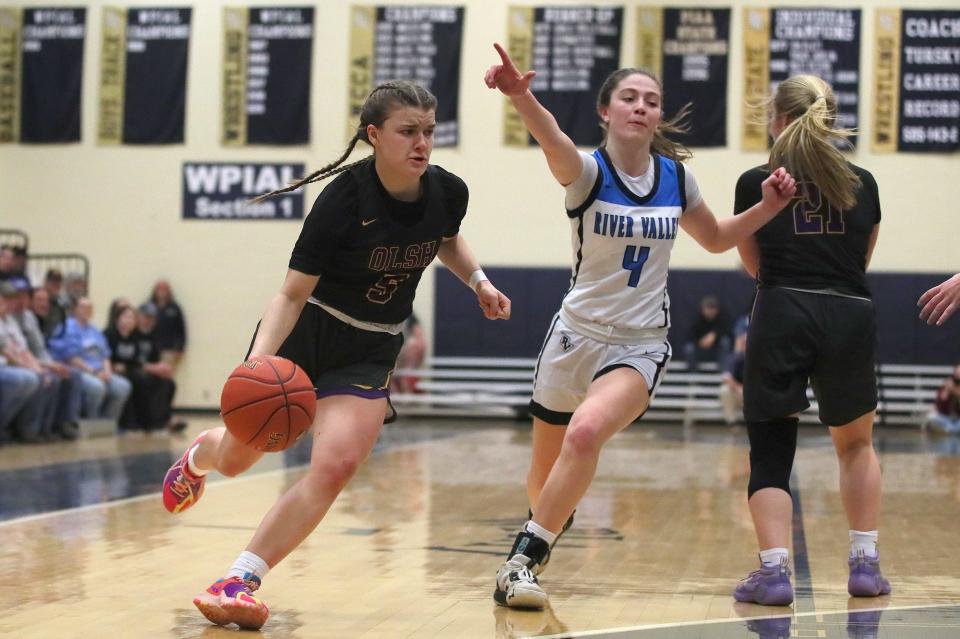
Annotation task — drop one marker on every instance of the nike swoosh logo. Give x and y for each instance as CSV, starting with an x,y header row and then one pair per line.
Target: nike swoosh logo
x,y
367,222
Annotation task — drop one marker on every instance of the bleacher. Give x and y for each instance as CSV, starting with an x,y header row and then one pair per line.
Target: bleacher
x,y
501,387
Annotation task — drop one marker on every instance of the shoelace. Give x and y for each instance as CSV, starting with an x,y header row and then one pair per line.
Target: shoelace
x,y
181,486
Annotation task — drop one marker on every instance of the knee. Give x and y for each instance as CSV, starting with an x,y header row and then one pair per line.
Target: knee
x,y
333,474
584,436
853,447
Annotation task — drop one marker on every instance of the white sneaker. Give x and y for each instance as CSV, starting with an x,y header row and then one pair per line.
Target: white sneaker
x,y
517,587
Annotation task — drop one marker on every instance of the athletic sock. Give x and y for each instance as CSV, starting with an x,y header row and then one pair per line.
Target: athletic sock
x,y
540,531
192,466
248,563
773,556
865,541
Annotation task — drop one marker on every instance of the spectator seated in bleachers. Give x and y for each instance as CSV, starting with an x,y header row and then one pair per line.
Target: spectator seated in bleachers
x,y
946,409
74,287
85,348
709,337
149,405
731,389
148,350
48,304
70,391
171,330
28,393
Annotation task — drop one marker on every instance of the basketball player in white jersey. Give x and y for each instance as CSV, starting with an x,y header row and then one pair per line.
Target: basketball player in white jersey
x,y
606,348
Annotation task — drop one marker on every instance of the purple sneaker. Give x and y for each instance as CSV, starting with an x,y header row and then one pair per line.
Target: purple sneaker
x,y
865,577
768,586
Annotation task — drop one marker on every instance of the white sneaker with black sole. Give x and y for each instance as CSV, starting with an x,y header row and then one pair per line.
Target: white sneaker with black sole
x,y
517,585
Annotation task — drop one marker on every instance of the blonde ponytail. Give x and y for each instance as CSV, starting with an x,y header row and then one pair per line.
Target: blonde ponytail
x,y
806,146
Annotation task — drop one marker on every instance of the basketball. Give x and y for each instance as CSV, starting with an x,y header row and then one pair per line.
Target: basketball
x,y
268,403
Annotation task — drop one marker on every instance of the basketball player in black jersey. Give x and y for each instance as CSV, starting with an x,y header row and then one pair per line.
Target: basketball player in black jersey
x,y
813,319
339,315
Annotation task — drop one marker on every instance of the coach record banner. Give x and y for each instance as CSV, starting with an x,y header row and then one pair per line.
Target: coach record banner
x,y
916,104
41,72
143,75
223,191
421,44
688,49
266,75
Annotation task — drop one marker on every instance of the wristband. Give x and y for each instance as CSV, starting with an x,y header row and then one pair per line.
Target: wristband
x,y
476,277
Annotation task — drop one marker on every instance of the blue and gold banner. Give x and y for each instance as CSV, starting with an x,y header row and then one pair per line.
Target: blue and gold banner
x,y
783,42
421,44
143,75
266,75
573,49
688,49
41,73
916,104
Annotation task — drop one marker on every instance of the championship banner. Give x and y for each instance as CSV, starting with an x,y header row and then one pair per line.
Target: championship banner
x,y
41,72
222,191
143,75
916,104
419,44
688,49
817,41
573,49
266,75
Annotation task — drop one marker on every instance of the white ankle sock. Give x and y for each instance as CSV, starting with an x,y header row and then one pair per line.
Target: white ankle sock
x,y
865,541
541,532
774,556
248,562
192,466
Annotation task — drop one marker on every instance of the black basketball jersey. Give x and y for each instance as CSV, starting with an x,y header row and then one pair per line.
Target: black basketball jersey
x,y
370,249
810,244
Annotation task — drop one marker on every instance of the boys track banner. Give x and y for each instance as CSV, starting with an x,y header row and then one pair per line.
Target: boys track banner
x,y
421,44
779,43
222,191
266,75
916,96
41,73
573,49
143,75
688,49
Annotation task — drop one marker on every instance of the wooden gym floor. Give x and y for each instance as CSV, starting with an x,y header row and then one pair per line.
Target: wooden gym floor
x,y
411,547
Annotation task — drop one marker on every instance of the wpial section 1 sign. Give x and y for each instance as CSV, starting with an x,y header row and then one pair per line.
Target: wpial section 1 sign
x,y
224,191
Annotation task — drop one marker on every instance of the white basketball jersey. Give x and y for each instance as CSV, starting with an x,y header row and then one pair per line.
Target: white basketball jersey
x,y
621,245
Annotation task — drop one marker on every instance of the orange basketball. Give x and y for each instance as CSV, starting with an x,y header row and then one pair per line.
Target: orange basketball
x,y
268,403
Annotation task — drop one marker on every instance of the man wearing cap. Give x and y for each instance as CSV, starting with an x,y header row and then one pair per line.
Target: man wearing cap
x,y
69,381
29,396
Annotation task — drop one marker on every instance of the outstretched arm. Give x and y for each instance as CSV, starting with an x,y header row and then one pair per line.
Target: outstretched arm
x,y
561,153
718,236
457,256
940,302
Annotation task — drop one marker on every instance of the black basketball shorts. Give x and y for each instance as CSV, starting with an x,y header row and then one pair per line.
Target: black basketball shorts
x,y
339,358
796,336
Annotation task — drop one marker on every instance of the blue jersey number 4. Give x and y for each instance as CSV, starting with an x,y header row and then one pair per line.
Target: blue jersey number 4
x,y
634,257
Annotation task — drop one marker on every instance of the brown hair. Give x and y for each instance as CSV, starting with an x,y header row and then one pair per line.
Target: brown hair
x,y
661,143
806,146
375,110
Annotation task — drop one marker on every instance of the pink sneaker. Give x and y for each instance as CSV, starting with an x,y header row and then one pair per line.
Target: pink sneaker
x,y
231,600
180,488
